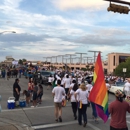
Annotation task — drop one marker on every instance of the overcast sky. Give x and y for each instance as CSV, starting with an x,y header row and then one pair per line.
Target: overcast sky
x,y
57,27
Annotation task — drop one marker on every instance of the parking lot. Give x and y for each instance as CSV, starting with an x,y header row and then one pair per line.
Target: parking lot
x,y
42,117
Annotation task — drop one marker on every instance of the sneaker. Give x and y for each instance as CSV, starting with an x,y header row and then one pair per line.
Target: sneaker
x,y
56,120
60,119
32,106
75,117
84,125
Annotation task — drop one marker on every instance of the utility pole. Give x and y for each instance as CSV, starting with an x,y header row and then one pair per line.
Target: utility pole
x,y
65,59
45,58
54,57
80,56
50,59
94,54
70,57
87,58
75,58
62,57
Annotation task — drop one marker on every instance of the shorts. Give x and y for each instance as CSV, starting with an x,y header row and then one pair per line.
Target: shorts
x,y
16,96
34,96
58,104
40,95
30,91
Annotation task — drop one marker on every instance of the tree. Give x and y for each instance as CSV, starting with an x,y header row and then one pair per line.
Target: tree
x,y
24,60
87,67
84,69
20,62
119,68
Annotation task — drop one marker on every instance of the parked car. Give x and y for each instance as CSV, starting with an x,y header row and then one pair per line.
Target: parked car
x,y
116,86
44,76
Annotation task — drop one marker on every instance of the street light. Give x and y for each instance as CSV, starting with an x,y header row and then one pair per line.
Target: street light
x,y
80,56
94,54
70,56
7,31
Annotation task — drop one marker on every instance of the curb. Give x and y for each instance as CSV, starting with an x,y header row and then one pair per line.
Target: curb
x,y
19,126
23,128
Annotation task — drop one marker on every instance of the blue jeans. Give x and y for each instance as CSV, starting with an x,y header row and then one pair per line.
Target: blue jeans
x,y
94,112
82,112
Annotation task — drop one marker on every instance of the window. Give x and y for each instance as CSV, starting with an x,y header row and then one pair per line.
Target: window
x,y
122,58
114,60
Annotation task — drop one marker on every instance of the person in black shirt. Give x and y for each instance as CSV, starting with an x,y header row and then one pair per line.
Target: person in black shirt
x,y
16,91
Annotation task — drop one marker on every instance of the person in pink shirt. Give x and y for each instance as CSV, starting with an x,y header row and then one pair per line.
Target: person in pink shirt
x,y
118,110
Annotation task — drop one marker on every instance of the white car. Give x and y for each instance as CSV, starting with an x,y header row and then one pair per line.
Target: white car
x,y
116,86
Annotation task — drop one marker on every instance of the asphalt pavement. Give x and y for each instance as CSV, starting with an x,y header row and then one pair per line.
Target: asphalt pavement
x,y
42,117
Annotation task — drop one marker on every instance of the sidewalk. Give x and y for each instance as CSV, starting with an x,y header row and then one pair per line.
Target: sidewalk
x,y
6,124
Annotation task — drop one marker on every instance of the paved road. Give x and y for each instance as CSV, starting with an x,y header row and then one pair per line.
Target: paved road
x,y
42,117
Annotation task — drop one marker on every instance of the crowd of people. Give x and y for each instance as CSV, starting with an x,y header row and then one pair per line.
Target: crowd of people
x,y
72,87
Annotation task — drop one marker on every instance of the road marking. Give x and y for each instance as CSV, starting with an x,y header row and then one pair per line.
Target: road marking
x,y
92,126
62,124
128,122
20,109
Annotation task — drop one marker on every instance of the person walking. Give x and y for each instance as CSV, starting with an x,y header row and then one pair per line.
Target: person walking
x,y
108,86
89,87
67,85
126,87
30,87
82,93
50,81
35,90
118,110
58,92
40,93
93,105
8,74
73,100
16,91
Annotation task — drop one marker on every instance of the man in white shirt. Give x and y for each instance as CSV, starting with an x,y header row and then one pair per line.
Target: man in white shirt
x,y
50,80
58,92
126,88
108,85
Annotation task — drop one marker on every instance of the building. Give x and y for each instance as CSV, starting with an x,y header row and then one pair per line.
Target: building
x,y
8,60
109,66
114,59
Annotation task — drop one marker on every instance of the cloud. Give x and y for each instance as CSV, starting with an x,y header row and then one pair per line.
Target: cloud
x,y
21,37
12,3
74,4
8,22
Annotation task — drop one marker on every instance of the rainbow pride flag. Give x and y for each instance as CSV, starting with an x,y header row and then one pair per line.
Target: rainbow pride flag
x,y
99,94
